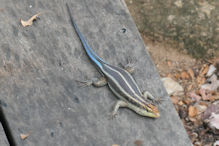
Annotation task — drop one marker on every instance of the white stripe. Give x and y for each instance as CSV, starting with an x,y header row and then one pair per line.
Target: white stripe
x,y
134,83
127,83
123,91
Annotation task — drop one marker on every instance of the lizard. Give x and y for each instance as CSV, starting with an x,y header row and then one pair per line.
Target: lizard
x,y
119,81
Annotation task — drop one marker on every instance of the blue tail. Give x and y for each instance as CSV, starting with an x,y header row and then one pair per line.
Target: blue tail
x,y
96,59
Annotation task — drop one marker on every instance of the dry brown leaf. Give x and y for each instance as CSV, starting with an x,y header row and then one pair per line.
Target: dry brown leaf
x,y
215,97
24,136
169,63
191,73
174,99
180,103
187,101
190,87
184,75
200,80
215,61
194,96
203,70
192,119
205,94
138,142
203,103
177,76
170,76
192,111
30,21
201,108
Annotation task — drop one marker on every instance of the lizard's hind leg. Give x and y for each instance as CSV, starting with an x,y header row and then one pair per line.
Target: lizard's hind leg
x,y
95,82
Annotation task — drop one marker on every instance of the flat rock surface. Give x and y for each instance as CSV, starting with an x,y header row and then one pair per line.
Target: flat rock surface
x,y
3,138
40,63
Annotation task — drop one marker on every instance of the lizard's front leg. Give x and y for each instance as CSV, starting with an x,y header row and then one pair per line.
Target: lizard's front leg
x,y
148,96
96,82
129,69
119,103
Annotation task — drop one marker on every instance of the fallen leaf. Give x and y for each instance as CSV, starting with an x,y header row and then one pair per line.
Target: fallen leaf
x,y
30,21
191,73
213,84
187,101
193,136
174,99
184,75
201,108
24,136
213,108
138,142
194,96
177,76
213,122
203,103
203,70
169,63
205,94
200,80
194,120
190,87
192,111
180,103
215,97
170,76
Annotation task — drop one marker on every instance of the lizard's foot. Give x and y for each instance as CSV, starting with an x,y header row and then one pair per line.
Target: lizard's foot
x,y
112,116
130,66
84,83
118,104
150,97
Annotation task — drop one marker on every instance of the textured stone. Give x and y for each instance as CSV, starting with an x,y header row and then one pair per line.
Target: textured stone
x,y
40,63
3,139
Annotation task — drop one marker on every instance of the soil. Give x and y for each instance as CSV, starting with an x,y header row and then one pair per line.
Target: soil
x,y
164,54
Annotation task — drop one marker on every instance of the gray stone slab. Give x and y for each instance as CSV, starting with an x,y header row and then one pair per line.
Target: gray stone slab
x,y
3,138
39,65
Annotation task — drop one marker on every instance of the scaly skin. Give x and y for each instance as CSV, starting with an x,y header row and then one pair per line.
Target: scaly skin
x,y
120,82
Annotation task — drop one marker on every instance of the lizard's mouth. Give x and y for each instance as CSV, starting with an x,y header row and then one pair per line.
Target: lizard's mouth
x,y
154,110
157,115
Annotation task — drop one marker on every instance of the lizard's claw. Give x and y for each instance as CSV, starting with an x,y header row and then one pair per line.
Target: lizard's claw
x,y
157,101
84,83
112,116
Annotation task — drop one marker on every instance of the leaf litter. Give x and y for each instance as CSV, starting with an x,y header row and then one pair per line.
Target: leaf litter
x,y
198,107
30,21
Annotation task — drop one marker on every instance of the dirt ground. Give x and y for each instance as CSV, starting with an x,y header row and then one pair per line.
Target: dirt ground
x,y
163,53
